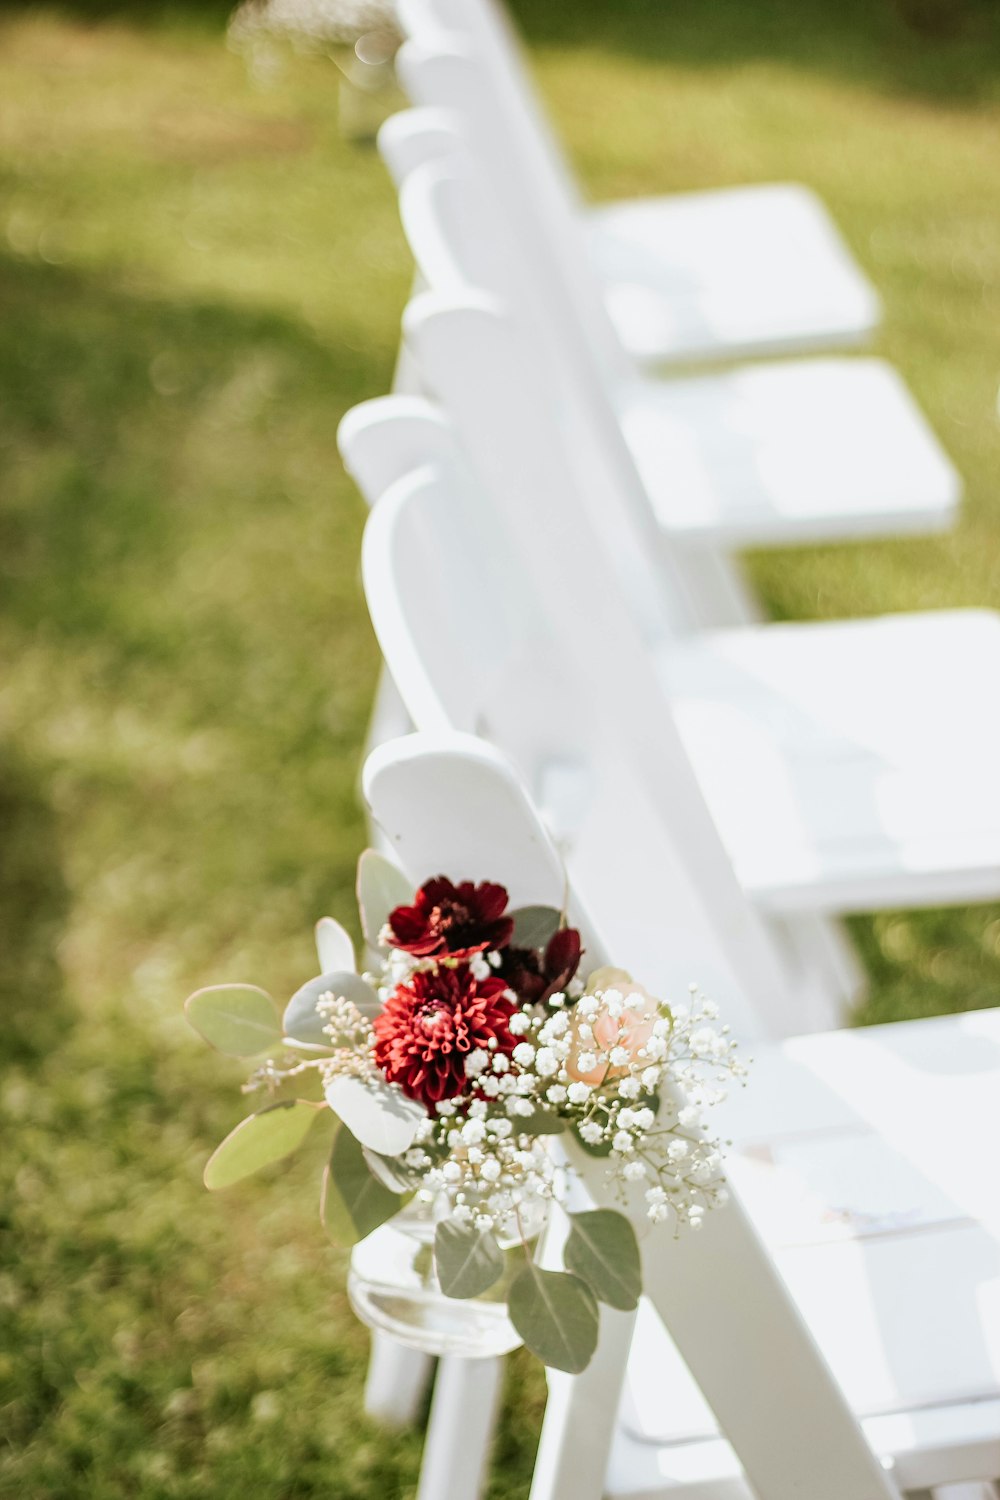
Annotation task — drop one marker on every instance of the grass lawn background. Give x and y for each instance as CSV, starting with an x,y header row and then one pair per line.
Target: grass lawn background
x,y
197,278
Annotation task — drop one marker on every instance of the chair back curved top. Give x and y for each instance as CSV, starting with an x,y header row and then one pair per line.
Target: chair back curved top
x,y
414,136
454,76
388,437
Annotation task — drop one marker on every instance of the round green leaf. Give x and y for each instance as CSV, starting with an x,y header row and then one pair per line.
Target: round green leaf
x,y
265,1137
468,1260
302,1021
237,1019
557,1316
534,926
382,1118
391,1172
333,946
602,1250
353,1201
540,1122
382,887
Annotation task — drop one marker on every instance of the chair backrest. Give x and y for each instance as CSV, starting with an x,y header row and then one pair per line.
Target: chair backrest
x,y
415,136
450,802
388,437
463,246
453,76
485,28
537,653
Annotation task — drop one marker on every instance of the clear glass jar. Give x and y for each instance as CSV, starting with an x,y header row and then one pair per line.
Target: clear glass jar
x,y
393,1287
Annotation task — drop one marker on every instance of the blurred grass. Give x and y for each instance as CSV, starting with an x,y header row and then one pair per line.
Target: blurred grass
x,y
197,277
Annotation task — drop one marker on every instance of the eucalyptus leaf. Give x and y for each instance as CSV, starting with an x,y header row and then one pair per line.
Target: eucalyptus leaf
x,y
602,1147
333,946
353,1202
468,1260
540,1122
534,926
265,1137
303,1022
556,1315
390,1171
603,1251
237,1019
382,1118
382,887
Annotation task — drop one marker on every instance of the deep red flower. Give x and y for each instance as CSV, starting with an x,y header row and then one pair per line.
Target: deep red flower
x,y
456,919
535,976
432,1022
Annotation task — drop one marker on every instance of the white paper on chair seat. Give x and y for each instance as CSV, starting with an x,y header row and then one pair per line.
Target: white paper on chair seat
x,y
751,456
849,1155
845,762
748,268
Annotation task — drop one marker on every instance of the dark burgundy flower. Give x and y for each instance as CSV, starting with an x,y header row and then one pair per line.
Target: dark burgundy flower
x,y
432,1022
535,976
456,919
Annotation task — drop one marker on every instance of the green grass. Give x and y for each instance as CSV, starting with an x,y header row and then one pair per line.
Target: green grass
x,y
197,278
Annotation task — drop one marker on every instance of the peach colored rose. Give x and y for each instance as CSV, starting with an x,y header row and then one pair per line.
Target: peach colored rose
x,y
631,1028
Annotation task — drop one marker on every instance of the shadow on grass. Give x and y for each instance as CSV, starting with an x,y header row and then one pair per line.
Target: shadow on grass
x,y
34,1014
947,50
938,49
102,394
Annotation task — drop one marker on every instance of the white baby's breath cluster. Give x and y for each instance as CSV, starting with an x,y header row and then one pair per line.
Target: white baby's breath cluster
x,y
628,1075
349,1037
631,1076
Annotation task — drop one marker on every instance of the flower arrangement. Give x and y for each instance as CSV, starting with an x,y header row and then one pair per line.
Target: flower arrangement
x,y
452,1065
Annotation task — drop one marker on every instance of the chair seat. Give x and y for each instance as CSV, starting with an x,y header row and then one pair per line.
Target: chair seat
x,y
859,1155
849,766
742,270
803,451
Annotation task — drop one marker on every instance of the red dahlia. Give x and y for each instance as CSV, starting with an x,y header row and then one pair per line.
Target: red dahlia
x,y
456,919
432,1022
535,976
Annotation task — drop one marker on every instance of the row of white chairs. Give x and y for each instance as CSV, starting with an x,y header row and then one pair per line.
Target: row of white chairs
x,y
548,564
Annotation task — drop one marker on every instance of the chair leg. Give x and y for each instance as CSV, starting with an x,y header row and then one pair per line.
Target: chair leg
x,y
833,979
397,1382
580,1416
460,1432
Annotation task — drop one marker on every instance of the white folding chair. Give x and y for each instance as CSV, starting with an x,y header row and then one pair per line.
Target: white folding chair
x,y
771,455
366,438
834,1332
700,276
431,563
